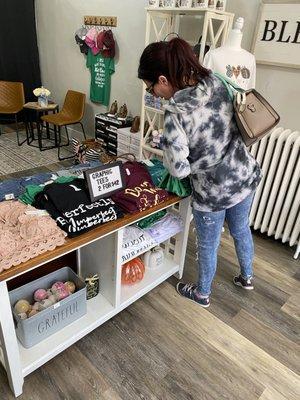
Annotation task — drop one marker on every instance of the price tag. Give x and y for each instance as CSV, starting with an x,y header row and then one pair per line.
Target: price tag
x,y
9,196
105,180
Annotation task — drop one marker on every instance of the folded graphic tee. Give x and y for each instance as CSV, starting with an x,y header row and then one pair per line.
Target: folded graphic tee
x,y
140,193
69,204
165,228
135,242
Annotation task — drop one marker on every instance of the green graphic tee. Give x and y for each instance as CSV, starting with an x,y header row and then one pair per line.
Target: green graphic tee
x,y
101,70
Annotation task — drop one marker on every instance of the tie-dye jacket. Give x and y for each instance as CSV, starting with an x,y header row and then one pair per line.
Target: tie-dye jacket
x,y
201,140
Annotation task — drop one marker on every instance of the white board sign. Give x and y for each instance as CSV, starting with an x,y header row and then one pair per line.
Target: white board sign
x,y
277,37
105,180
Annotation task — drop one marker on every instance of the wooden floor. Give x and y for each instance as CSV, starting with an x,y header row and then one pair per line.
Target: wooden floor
x,y
245,346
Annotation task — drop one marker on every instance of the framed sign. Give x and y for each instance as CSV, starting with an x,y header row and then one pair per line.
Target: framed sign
x,y
105,180
277,36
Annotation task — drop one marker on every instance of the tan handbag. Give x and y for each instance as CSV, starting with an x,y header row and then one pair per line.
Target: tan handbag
x,y
254,116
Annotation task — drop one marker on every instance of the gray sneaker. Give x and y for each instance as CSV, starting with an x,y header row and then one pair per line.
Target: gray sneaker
x,y
242,282
188,290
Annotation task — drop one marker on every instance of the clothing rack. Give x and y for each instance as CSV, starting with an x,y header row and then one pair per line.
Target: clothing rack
x,y
104,21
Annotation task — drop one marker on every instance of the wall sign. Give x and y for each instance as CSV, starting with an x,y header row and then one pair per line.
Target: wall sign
x,y
277,36
105,180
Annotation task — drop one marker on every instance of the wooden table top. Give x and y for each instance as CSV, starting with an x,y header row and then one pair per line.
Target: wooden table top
x,y
85,238
33,105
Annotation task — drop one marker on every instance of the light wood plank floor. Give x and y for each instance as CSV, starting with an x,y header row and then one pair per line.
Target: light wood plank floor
x,y
245,346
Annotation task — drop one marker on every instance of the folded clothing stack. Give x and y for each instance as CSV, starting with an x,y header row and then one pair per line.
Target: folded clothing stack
x,y
156,169
135,242
15,187
69,204
149,221
77,170
32,190
140,193
165,228
25,233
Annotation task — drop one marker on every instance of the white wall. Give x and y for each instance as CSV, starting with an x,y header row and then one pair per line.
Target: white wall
x,y
281,86
63,66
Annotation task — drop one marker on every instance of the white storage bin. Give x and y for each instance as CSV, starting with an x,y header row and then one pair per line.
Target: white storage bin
x,y
136,139
124,135
123,148
135,150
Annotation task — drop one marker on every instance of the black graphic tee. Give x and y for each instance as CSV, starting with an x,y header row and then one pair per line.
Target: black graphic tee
x,y
69,204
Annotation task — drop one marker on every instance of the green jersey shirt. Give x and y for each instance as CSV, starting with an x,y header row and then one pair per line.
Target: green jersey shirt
x,y
101,70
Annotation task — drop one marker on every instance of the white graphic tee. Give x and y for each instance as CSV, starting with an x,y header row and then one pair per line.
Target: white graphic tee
x,y
238,65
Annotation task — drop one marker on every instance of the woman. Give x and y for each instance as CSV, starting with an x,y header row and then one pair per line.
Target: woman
x,y
201,140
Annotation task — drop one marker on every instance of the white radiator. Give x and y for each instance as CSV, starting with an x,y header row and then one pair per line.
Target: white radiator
x,y
276,205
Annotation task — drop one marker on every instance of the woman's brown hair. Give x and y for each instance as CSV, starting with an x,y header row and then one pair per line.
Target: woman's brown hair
x,y
175,60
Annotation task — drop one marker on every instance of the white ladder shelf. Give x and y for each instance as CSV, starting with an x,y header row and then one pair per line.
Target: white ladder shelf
x,y
161,22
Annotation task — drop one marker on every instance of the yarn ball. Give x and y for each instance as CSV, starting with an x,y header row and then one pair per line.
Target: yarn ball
x,y
57,285
61,293
52,298
36,306
70,286
32,313
45,304
40,294
23,315
22,306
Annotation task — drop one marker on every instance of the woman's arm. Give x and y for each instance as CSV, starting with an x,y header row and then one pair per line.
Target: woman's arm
x,y
175,147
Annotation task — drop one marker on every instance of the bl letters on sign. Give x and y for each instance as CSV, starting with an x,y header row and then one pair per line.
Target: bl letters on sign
x,y
104,180
273,31
277,38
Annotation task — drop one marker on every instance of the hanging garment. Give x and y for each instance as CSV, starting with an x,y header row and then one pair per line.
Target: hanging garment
x,y
101,70
106,43
90,40
69,204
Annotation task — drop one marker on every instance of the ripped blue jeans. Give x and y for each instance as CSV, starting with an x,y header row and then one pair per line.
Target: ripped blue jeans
x,y
208,227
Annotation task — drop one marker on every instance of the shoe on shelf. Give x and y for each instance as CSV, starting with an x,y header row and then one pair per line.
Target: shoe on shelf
x,y
135,127
188,290
113,109
122,114
242,282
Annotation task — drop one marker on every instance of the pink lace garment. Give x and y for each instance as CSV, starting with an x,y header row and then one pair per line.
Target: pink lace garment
x,y
24,236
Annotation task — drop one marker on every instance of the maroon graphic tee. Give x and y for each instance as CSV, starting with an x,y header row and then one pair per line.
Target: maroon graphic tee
x,y
140,193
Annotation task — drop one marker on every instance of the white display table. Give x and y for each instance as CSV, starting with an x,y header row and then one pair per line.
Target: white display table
x,y
98,251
